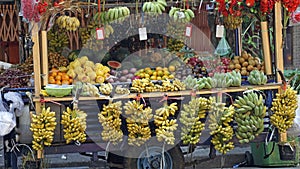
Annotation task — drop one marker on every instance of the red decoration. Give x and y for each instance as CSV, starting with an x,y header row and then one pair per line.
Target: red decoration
x,y
233,7
290,5
250,3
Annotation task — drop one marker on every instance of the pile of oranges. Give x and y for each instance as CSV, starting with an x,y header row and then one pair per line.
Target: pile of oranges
x,y
59,77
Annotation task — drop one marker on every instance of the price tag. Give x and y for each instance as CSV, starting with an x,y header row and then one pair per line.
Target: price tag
x,y
220,31
188,31
100,33
143,33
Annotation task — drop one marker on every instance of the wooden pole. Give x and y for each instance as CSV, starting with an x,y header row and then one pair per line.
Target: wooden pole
x,y
45,70
266,47
37,71
278,39
36,58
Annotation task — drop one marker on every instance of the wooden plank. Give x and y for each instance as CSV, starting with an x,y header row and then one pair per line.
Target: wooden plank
x,y
266,47
37,59
178,93
278,39
45,70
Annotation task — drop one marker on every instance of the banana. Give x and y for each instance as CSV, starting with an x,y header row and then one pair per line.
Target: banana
x,y
257,78
74,124
138,122
191,117
43,126
222,133
250,111
165,126
284,107
109,117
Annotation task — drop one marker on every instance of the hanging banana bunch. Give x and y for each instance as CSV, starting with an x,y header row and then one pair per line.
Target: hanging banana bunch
x,y
220,118
43,126
193,118
111,122
284,109
165,126
155,7
68,23
181,15
138,122
74,123
249,116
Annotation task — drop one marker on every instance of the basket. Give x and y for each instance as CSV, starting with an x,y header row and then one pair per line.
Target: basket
x,y
59,91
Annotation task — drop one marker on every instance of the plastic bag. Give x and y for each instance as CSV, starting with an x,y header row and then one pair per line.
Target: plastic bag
x,y
295,17
223,47
17,105
7,119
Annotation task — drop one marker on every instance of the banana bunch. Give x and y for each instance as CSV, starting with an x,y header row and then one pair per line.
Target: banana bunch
x,y
249,116
175,44
68,23
121,90
57,40
74,123
205,83
108,30
106,88
221,80
142,85
155,7
192,117
236,78
176,85
257,78
86,33
43,126
181,15
165,126
94,44
232,22
220,118
138,122
114,14
284,109
89,89
190,82
111,122
175,30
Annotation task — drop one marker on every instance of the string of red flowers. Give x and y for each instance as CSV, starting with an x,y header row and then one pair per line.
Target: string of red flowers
x,y
231,7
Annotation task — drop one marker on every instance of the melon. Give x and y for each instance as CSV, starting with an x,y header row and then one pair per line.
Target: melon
x,y
114,64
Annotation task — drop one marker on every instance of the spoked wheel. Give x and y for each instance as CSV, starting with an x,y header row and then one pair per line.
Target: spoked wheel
x,y
153,158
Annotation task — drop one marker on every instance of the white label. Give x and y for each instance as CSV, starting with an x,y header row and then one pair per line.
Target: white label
x,y
220,31
100,33
143,33
188,31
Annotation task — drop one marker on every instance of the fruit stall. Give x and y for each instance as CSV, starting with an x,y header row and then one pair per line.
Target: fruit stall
x,y
144,80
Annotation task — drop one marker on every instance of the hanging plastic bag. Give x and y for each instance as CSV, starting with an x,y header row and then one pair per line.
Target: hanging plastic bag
x,y
7,119
223,47
17,105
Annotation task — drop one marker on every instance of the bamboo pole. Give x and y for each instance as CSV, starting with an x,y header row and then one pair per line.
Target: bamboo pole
x,y
45,70
266,47
278,39
37,71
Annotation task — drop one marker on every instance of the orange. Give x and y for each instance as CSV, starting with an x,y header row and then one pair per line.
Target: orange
x,y
51,81
53,74
65,77
58,82
65,82
58,77
70,81
59,73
